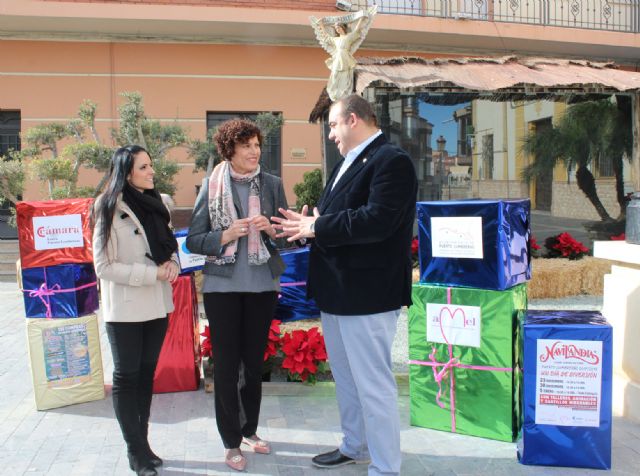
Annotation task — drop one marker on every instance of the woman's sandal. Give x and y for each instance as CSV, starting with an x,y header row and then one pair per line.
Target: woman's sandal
x,y
257,445
237,461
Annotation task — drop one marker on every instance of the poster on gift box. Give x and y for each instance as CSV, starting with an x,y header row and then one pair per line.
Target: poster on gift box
x,y
451,324
456,237
66,354
568,382
59,231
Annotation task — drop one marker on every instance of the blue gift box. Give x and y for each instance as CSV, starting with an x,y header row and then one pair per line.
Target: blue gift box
x,y
64,290
474,243
567,386
293,304
188,261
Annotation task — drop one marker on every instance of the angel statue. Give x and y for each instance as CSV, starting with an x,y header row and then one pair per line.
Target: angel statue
x,y
340,36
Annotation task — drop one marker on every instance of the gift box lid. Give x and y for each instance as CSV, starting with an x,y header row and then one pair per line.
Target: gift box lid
x,y
473,202
560,317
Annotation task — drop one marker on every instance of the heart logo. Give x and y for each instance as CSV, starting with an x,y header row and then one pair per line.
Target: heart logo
x,y
449,329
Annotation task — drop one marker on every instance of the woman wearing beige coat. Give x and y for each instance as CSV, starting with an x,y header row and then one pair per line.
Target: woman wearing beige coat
x,y
135,258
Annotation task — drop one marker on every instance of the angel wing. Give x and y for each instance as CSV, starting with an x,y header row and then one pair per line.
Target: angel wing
x,y
322,36
363,25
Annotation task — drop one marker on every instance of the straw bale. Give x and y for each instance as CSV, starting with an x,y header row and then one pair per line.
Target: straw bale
x,y
554,278
593,275
558,277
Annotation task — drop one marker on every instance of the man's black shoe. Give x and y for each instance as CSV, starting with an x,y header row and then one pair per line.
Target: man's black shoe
x,y
333,459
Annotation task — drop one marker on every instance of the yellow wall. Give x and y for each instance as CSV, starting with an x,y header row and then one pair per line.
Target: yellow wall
x,y
560,171
47,81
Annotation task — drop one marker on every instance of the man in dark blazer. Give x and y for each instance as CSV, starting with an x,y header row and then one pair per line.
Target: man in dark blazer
x,y
360,277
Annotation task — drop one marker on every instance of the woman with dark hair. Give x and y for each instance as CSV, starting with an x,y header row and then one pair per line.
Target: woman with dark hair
x,y
230,226
134,253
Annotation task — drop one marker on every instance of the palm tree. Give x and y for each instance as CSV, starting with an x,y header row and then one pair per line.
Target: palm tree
x,y
588,133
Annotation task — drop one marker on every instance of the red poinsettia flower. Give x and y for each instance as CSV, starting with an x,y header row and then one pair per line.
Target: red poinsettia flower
x,y
206,349
273,340
620,237
533,243
414,247
304,352
569,247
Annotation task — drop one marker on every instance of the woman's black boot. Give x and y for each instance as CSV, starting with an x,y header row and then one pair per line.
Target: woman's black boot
x,y
140,463
154,459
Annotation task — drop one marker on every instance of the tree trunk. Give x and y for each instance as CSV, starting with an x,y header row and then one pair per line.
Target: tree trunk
x,y
617,172
94,133
625,119
73,181
587,184
103,180
142,142
6,193
210,165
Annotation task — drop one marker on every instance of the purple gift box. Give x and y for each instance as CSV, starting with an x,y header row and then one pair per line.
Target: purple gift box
x,y
65,290
475,243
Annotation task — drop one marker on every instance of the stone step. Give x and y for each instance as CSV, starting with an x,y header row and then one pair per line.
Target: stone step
x,y
8,265
9,246
8,276
9,254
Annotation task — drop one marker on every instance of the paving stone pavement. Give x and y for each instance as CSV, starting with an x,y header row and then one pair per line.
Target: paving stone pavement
x,y
85,439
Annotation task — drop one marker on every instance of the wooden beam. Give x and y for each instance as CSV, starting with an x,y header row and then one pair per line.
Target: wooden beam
x,y
635,154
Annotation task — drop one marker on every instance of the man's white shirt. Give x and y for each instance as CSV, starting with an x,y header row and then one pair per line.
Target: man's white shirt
x,y
352,155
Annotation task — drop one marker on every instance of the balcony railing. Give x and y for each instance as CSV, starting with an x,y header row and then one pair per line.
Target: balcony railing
x,y
620,15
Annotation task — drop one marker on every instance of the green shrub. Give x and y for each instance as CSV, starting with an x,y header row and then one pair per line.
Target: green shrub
x,y
309,190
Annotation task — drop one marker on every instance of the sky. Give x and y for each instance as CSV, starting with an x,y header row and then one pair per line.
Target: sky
x,y
443,124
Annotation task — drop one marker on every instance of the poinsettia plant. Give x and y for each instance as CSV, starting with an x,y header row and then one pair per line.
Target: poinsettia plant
x,y
533,243
273,341
534,246
415,246
565,246
305,354
206,349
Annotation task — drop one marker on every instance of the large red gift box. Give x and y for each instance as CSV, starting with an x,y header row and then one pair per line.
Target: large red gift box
x,y
178,367
54,232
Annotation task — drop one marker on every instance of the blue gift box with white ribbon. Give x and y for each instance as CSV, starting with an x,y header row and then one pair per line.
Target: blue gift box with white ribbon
x,y
567,385
474,243
293,304
188,261
64,290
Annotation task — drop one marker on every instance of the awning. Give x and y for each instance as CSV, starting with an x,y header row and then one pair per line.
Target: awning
x,y
510,78
508,75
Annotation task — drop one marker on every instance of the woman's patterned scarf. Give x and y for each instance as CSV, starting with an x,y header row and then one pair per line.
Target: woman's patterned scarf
x,y
222,212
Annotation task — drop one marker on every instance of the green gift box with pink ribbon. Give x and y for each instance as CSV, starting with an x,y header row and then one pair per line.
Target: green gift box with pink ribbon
x,y
465,359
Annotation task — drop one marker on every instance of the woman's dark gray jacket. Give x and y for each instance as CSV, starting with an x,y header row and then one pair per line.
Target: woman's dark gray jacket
x,y
201,240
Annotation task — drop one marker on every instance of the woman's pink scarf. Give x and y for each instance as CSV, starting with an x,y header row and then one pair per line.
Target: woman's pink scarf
x,y
222,212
